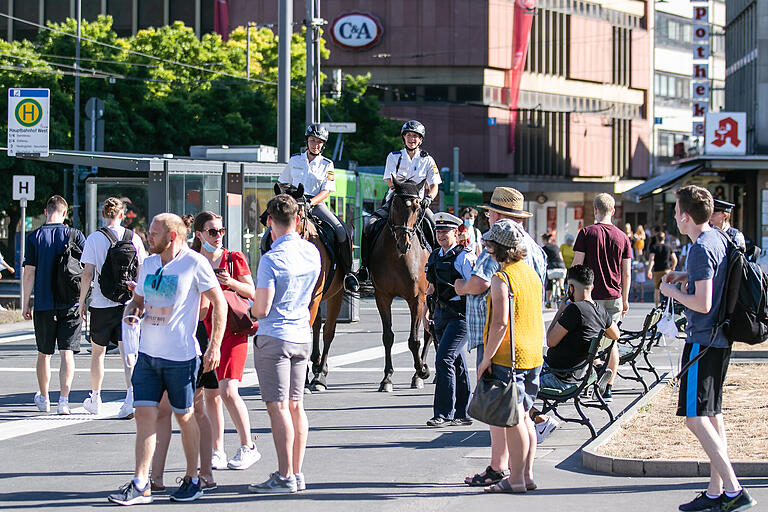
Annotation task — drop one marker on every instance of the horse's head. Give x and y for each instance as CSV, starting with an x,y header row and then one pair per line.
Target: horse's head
x,y
405,212
298,194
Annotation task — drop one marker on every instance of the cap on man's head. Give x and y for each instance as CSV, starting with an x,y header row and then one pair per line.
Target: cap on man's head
x,y
505,232
445,220
723,206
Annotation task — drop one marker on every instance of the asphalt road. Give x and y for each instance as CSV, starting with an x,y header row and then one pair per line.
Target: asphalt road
x,y
367,450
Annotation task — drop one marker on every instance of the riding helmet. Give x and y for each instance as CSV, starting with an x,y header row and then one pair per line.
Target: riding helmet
x,y
317,130
415,127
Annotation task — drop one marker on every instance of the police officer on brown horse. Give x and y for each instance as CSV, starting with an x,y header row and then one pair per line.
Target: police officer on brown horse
x,y
410,163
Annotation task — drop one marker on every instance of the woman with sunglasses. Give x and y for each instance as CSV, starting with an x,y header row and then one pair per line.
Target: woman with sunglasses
x,y
232,271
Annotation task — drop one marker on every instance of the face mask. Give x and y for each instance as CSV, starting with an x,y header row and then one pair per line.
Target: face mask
x,y
469,222
208,247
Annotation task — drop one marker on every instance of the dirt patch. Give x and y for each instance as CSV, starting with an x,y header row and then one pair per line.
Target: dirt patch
x,y
10,316
743,347
657,433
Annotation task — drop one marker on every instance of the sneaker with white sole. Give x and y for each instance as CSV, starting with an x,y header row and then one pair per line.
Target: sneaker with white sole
x,y
276,483
218,460
188,490
129,494
42,402
545,428
126,411
92,404
301,484
244,458
63,409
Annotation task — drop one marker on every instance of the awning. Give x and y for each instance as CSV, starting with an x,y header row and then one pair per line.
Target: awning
x,y
660,183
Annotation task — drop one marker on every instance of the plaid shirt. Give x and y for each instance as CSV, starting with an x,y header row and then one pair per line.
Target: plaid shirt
x,y
485,267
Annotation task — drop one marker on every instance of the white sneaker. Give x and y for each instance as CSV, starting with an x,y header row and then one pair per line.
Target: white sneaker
x,y
91,404
301,484
545,428
218,460
126,410
244,458
63,409
42,402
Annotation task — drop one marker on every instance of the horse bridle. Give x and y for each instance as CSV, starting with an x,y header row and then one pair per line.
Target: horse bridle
x,y
304,207
394,228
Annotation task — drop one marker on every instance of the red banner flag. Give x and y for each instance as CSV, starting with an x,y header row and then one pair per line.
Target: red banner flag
x,y
221,18
524,11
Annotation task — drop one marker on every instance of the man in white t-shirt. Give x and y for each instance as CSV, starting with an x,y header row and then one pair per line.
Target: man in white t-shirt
x,y
168,291
106,314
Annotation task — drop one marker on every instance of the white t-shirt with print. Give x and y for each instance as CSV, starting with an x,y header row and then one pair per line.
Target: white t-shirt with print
x,y
172,304
95,252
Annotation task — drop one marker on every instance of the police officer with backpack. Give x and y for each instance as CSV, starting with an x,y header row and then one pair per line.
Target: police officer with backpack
x,y
446,264
111,258
316,174
410,163
52,270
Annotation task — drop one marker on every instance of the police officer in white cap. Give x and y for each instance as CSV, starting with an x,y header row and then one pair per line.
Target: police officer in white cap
x,y
410,163
316,173
445,265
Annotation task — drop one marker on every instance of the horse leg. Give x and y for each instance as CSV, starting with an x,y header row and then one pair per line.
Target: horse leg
x,y
414,344
333,307
315,357
384,305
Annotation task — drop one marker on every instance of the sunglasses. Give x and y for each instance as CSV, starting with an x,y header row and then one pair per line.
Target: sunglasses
x,y
214,231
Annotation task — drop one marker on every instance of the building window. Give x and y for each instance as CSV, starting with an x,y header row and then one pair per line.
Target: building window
x,y
28,11
122,15
182,10
150,14
90,9
467,93
667,86
542,142
55,10
548,48
621,148
436,93
672,144
673,31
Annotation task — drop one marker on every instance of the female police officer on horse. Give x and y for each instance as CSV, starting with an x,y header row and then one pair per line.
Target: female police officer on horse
x,y
316,174
409,163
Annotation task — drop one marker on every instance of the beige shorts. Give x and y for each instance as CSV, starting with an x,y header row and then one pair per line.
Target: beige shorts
x,y
281,368
657,278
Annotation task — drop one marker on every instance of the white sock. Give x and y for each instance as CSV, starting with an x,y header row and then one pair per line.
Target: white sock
x,y
139,483
129,394
194,480
63,400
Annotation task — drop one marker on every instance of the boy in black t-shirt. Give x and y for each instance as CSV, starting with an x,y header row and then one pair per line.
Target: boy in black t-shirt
x,y
575,325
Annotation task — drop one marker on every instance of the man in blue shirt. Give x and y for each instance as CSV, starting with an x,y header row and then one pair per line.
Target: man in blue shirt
x,y
56,324
706,353
285,280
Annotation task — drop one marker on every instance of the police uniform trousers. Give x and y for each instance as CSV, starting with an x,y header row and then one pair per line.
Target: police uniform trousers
x,y
452,387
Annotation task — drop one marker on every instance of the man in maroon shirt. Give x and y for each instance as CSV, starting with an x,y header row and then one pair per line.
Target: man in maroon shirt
x,y
607,250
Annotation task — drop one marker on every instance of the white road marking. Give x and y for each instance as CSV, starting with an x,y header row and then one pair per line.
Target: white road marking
x,y
41,423
18,337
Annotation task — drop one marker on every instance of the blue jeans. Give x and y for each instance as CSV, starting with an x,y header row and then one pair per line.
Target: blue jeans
x,y
152,376
452,386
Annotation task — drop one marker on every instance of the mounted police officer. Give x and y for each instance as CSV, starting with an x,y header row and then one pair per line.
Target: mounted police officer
x,y
446,264
720,219
410,163
316,173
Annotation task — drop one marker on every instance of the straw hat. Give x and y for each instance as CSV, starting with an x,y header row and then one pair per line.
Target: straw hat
x,y
507,201
505,232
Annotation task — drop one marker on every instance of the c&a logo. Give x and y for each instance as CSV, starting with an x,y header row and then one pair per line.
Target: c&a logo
x,y
356,30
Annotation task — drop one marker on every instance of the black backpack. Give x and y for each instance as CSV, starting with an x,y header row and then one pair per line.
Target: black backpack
x,y
743,314
67,272
119,268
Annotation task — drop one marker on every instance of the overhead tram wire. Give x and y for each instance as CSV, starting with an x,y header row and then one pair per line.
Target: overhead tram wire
x,y
134,52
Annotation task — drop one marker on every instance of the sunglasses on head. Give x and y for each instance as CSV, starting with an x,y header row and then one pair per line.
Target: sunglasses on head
x,y
214,231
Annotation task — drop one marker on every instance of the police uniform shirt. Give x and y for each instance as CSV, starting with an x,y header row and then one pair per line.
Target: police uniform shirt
x,y
418,169
317,175
464,264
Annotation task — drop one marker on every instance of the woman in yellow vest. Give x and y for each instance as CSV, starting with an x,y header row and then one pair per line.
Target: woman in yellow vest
x,y
505,242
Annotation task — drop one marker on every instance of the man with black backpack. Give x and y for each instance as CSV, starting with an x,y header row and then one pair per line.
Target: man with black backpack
x,y
707,350
111,259
52,269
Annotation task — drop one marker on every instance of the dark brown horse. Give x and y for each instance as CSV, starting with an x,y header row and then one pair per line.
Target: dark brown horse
x,y
329,288
396,266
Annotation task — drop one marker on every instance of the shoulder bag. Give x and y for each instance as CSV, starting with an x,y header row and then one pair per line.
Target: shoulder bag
x,y
494,401
238,309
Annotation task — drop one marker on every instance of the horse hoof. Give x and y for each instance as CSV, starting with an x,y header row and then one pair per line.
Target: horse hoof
x,y
307,391
386,387
417,383
317,387
424,373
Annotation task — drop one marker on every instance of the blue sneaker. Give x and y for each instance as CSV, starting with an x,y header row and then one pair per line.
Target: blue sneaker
x,y
275,484
129,494
187,491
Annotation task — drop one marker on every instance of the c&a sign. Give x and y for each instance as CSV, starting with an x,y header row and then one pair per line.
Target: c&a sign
x,y
356,30
726,133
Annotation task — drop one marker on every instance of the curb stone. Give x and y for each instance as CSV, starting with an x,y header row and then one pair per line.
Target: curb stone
x,y
599,463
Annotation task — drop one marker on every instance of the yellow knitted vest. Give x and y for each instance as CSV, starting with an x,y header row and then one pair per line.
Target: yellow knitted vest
x,y
528,321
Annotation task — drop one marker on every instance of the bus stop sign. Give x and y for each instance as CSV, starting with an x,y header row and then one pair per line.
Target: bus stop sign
x,y
28,126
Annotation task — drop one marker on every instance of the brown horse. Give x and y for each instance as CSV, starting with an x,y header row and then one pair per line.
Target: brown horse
x,y
396,266
329,288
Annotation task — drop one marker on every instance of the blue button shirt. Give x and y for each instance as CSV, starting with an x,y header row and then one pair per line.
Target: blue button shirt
x,y
43,246
291,267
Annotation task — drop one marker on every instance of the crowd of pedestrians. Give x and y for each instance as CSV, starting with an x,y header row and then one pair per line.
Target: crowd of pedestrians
x,y
486,293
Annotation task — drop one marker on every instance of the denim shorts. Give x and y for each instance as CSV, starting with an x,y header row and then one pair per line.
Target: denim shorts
x,y
152,376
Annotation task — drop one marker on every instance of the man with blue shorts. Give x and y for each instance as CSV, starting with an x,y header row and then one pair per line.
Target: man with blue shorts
x,y
170,285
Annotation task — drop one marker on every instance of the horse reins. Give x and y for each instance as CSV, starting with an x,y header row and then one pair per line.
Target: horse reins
x,y
393,228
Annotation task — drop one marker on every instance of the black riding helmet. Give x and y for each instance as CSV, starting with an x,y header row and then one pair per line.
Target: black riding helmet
x,y
317,130
415,127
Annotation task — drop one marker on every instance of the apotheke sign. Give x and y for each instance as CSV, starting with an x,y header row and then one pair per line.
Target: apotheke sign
x,y
356,30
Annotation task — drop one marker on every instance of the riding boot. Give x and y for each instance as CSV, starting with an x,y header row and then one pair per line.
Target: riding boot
x,y
428,228
345,254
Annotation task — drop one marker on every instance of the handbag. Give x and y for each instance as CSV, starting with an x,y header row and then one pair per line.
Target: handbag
x,y
239,319
494,401
131,333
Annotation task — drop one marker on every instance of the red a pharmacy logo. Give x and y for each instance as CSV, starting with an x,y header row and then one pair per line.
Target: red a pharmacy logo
x,y
727,130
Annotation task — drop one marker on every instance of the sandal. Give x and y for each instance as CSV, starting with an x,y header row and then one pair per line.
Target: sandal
x,y
488,477
207,485
155,486
505,487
